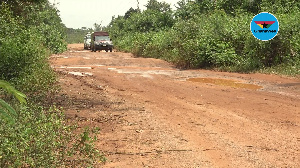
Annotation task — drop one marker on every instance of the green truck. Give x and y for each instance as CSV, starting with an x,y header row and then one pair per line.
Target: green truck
x,y
101,41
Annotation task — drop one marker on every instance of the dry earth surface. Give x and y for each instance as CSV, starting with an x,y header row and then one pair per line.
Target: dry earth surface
x,y
154,115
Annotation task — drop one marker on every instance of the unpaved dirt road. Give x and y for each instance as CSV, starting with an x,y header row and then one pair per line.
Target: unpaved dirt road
x,y
154,115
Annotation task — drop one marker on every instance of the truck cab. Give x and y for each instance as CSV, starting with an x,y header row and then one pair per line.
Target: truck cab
x,y
101,41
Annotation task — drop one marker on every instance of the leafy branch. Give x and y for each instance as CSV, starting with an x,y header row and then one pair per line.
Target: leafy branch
x,y
6,111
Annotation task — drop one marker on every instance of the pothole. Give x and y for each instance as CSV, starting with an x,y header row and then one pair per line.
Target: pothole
x,y
225,82
81,73
64,67
141,71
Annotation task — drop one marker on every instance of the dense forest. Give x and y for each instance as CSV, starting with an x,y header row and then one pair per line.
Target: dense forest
x,y
212,34
34,134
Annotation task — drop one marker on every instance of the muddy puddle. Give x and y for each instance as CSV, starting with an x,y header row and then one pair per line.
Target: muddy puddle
x,y
225,82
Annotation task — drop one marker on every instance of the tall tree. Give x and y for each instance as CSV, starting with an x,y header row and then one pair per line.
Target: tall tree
x,y
97,27
158,6
130,12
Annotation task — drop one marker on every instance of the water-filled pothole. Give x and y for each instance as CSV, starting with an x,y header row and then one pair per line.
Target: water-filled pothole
x,y
225,82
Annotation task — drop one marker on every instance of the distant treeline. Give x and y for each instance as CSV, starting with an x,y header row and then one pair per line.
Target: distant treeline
x,y
212,34
77,35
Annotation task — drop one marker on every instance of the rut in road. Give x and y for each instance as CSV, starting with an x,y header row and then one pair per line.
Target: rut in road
x,y
153,115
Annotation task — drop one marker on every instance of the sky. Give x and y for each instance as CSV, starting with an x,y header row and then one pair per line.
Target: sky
x,y
84,13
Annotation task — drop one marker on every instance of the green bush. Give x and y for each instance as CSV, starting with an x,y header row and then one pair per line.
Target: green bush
x,y
26,41
7,113
206,35
32,136
195,42
41,138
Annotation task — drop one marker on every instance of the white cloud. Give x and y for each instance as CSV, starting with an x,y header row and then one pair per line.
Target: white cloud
x,y
84,13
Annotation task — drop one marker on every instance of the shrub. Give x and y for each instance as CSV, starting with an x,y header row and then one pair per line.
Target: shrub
x,y
206,34
32,136
41,138
26,41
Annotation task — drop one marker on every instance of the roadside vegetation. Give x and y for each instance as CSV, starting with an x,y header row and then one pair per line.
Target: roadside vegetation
x,y
31,134
212,34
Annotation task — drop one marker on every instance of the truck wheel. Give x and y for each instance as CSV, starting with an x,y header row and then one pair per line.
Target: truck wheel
x,y
110,50
106,50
